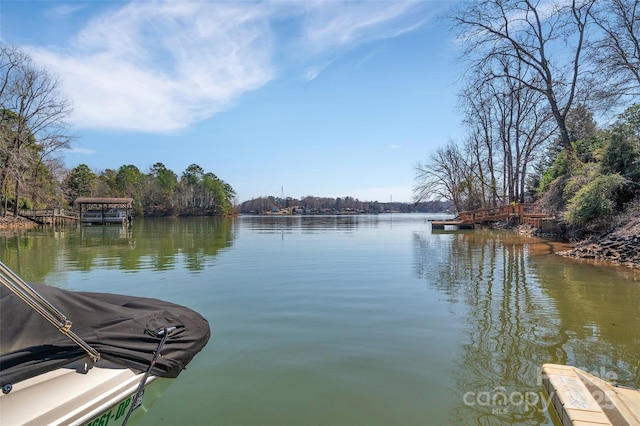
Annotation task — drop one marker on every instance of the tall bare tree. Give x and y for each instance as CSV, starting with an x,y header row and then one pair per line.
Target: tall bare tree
x,y
547,38
481,144
33,113
507,123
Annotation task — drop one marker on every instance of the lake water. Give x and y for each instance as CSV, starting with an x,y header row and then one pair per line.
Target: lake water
x,y
354,320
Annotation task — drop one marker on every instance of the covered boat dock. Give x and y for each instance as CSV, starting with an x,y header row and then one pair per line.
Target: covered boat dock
x,y
104,210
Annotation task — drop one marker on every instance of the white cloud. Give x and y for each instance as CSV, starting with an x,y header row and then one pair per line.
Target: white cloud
x,y
329,25
64,10
313,72
159,66
81,151
328,28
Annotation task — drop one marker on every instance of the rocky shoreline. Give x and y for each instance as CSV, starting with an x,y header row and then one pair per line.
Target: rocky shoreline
x,y
621,247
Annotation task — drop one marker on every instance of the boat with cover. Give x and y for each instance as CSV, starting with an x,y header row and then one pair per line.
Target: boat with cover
x,y
95,370
104,217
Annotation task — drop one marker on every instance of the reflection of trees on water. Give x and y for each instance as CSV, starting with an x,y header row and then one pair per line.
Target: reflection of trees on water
x,y
156,244
197,240
509,328
338,223
17,251
291,224
598,306
521,309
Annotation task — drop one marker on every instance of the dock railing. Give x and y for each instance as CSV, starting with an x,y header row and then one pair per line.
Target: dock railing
x,y
520,212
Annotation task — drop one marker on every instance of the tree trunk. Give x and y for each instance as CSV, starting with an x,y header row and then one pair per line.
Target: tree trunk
x,y
17,197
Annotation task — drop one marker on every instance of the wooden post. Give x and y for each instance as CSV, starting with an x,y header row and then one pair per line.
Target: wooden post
x,y
521,212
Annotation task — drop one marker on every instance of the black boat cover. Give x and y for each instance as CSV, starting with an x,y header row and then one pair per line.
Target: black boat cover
x,y
121,328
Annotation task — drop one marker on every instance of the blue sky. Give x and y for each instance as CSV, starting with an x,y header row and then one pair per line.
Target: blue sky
x,y
327,98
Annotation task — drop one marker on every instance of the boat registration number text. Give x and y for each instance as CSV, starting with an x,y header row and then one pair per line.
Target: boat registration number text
x,y
115,414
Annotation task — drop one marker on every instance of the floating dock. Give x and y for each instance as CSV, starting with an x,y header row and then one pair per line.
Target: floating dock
x,y
458,224
581,399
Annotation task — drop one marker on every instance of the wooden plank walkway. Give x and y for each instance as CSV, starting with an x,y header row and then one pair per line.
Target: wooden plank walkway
x,y
50,216
520,213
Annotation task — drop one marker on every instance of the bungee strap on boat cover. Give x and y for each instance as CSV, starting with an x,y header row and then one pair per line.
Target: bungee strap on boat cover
x,y
123,329
137,397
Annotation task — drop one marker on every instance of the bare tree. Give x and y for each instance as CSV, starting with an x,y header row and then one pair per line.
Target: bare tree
x,y
478,111
445,175
33,113
546,38
616,53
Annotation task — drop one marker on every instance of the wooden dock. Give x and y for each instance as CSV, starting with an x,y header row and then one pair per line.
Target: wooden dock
x,y
517,214
50,216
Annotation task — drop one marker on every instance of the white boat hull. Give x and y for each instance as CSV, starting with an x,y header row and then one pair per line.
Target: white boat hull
x,y
74,395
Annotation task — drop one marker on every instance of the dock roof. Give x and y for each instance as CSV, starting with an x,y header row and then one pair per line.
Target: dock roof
x,y
112,201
